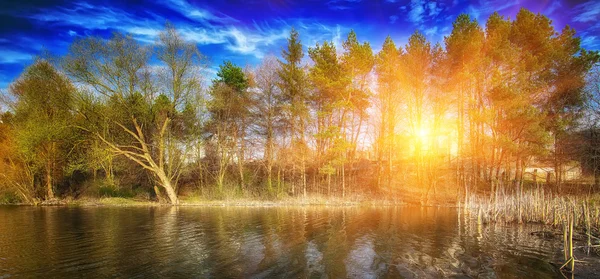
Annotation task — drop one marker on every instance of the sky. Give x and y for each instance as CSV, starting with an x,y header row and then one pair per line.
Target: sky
x,y
245,31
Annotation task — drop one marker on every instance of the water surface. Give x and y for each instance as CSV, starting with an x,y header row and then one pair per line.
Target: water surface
x,y
254,242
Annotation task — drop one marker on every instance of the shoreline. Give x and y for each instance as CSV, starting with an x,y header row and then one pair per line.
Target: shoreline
x,y
241,202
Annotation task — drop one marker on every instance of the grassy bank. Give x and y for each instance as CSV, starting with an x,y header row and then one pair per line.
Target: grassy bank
x,y
202,201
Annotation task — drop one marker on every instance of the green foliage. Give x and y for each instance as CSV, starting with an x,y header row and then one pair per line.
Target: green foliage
x,y
293,84
43,114
9,198
233,76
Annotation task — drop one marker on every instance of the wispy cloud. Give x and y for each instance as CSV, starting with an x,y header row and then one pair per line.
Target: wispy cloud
x,y
431,31
250,43
587,12
198,14
555,5
487,7
590,42
206,28
416,12
434,9
84,15
340,5
421,12
393,19
8,56
313,33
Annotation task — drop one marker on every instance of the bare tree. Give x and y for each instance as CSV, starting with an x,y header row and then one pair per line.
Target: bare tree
x,y
144,124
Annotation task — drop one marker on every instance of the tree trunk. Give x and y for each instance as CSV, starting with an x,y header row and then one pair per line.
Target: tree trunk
x,y
50,190
303,175
166,184
343,181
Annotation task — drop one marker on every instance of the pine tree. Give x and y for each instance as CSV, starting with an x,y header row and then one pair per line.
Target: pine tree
x,y
388,99
293,87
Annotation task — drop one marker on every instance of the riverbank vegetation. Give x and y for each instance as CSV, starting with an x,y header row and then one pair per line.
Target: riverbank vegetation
x,y
576,216
496,106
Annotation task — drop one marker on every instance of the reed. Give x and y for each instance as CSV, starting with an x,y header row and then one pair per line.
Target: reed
x,y
570,213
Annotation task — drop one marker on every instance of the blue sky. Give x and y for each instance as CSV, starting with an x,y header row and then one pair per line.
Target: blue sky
x,y
245,31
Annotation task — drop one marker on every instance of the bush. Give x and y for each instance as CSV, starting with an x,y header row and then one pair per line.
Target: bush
x,y
9,198
114,192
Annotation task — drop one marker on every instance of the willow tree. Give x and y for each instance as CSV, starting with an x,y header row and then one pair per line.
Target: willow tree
x,y
140,107
43,112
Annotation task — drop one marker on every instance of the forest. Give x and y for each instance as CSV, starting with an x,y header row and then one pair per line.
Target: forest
x,y
481,112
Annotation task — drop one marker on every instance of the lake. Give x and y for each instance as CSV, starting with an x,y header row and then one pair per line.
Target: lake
x,y
265,242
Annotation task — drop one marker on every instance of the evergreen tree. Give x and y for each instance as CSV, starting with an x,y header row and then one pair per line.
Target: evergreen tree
x,y
293,87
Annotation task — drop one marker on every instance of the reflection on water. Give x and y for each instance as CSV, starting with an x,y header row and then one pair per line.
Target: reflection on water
x,y
293,242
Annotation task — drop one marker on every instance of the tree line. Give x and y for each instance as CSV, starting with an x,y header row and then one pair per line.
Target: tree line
x,y
469,113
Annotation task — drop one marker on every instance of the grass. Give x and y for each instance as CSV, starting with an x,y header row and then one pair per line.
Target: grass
x,y
285,201
537,206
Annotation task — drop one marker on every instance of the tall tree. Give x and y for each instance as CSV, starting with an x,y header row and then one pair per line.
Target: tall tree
x,y
268,110
464,52
143,122
229,110
417,63
43,110
332,105
293,87
16,172
388,102
358,62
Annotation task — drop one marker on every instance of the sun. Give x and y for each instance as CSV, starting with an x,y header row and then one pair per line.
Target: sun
x,y
422,133
422,137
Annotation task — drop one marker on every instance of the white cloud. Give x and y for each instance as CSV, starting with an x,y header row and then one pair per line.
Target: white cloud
x,y
195,13
83,14
203,27
234,39
417,10
473,12
590,42
420,12
143,31
487,7
587,12
431,31
340,5
13,57
553,7
393,19
434,10
202,36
